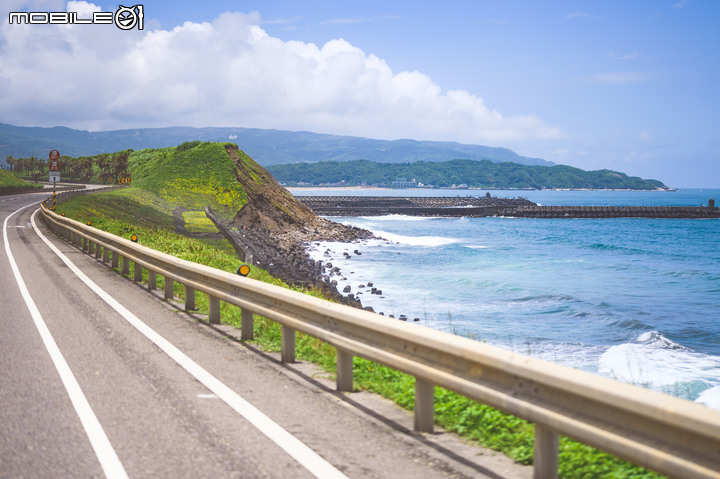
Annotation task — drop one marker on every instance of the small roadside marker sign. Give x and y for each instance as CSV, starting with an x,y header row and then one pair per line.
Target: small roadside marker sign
x,y
54,177
54,155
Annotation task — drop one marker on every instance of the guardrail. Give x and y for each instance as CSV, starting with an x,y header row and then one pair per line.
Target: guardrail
x,y
673,436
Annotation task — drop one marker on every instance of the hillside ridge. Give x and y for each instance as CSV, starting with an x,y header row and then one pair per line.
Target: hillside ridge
x,y
474,174
266,146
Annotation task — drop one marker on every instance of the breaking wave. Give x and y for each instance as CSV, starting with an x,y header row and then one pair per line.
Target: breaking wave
x,y
659,363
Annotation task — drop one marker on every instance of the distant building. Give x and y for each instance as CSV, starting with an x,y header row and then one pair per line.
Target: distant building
x,y
404,183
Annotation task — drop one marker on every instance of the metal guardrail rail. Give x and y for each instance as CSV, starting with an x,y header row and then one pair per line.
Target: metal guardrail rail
x,y
673,436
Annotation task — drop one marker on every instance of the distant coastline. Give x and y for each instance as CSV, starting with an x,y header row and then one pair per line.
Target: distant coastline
x,y
456,175
385,188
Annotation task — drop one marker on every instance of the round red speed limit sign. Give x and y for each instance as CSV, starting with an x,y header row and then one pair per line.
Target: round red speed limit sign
x,y
54,165
54,155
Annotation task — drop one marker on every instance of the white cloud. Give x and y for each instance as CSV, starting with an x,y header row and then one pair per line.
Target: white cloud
x,y
580,16
230,73
358,20
621,77
627,56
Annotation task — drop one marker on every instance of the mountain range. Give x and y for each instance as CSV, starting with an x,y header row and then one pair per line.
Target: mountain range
x,y
267,147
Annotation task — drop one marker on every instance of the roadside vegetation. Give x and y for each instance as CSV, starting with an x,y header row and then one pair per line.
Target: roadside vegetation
x,y
168,178
10,182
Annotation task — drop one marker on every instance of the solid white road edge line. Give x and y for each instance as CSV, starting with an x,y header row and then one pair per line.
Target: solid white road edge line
x,y
308,458
104,451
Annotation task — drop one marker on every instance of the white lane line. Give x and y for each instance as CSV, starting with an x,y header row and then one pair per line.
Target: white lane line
x,y
104,451
308,458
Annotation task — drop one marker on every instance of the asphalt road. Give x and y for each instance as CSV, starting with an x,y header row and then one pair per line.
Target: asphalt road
x,y
85,393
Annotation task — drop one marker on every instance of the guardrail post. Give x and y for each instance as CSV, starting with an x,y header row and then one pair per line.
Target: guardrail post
x,y
424,406
247,324
98,251
106,254
169,288
214,313
189,298
126,266
115,258
84,243
344,370
546,453
152,279
287,352
138,272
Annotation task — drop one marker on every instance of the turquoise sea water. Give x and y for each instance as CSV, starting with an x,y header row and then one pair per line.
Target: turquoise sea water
x,y
634,299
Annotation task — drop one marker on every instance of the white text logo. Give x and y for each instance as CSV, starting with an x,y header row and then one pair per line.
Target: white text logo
x,y
125,18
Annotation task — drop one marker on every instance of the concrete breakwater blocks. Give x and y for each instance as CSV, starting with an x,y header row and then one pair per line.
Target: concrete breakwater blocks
x,y
478,207
680,212
468,206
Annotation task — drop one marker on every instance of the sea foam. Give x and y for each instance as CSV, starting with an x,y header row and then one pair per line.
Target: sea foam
x,y
656,362
429,241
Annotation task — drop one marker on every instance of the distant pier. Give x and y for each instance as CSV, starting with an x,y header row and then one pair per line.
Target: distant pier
x,y
412,206
477,207
685,212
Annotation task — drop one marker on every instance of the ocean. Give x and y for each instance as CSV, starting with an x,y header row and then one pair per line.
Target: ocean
x,y
633,299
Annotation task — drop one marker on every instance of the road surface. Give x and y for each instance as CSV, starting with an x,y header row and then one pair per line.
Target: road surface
x,y
113,381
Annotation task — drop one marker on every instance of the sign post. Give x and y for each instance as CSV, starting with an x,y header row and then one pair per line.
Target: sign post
x,y
54,167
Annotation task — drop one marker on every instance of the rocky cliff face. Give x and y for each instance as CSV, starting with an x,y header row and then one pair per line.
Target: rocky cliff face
x,y
269,206
273,228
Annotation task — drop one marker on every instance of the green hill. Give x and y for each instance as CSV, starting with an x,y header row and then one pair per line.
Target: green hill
x,y
190,176
475,174
10,182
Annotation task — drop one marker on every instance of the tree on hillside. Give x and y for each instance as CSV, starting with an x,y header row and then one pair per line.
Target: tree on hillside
x,y
37,168
113,167
79,169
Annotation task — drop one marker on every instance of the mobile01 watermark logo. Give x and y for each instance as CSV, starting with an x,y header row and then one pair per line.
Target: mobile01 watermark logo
x,y
125,18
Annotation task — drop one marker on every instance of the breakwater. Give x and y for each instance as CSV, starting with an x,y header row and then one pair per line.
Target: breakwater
x,y
683,212
467,206
475,207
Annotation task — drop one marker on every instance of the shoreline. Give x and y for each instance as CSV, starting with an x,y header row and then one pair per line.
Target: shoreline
x,y
287,255
338,187
333,256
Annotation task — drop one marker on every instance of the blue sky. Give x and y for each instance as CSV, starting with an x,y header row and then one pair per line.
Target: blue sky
x,y
626,85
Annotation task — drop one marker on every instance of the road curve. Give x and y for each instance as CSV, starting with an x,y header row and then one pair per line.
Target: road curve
x,y
158,419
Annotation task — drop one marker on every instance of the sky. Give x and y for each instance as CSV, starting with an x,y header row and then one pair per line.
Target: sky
x,y
625,85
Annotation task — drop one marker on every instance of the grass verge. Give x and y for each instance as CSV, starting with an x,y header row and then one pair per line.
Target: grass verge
x,y
127,211
10,182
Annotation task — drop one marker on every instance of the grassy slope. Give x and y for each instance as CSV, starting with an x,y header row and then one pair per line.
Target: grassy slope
x,y
189,176
8,181
165,179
